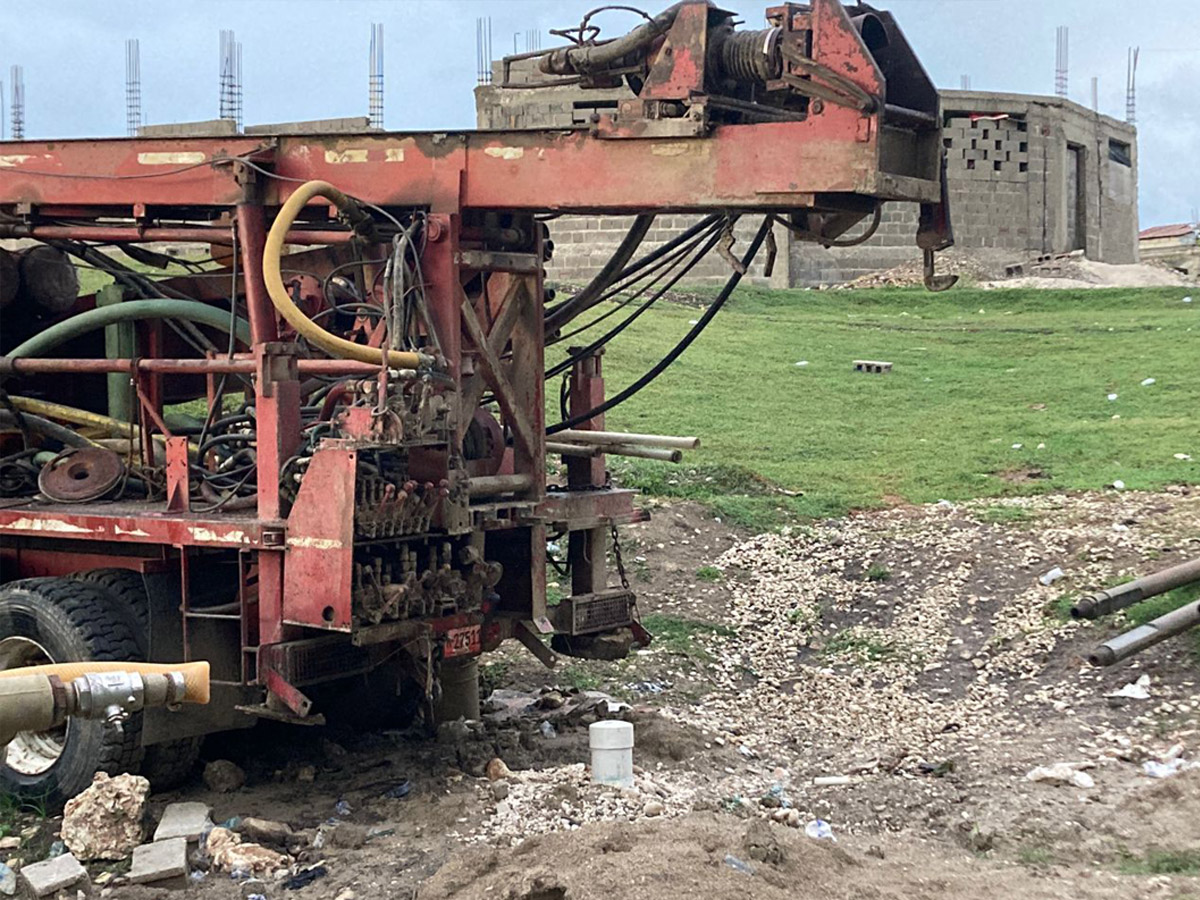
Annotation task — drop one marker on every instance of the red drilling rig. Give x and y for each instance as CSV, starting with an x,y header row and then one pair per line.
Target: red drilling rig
x,y
363,500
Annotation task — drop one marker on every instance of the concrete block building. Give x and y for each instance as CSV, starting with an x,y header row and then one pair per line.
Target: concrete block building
x,y
1028,175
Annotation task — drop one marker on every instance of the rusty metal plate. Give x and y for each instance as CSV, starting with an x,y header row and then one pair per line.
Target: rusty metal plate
x,y
80,474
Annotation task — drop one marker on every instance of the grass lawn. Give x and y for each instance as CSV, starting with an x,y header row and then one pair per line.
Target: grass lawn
x,y
993,393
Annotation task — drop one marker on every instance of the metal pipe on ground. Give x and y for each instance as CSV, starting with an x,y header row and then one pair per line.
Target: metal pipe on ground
x,y
1126,645
618,438
1101,603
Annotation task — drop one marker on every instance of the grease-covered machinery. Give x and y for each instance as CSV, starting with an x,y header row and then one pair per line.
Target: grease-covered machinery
x,y
360,495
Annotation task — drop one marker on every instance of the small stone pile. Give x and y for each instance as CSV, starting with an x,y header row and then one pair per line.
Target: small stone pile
x,y
564,798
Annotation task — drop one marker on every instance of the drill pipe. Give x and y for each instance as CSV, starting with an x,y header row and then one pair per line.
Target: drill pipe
x,y
1101,603
1126,645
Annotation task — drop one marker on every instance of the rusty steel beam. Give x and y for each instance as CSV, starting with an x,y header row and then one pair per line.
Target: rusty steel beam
x,y
178,235
36,365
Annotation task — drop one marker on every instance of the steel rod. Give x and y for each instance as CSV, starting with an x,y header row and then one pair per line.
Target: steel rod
x,y
493,485
1126,645
609,438
169,234
37,365
1109,600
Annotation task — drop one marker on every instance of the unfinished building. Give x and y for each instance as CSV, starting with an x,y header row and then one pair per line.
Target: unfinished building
x,y
1028,175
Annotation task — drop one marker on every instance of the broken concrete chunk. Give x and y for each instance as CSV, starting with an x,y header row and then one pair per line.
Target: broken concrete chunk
x,y
183,820
43,878
158,861
105,820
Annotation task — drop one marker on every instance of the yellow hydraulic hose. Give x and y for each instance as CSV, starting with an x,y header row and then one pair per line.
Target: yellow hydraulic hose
x,y
310,330
195,674
71,414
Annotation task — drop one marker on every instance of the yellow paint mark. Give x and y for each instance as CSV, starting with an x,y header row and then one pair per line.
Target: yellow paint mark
x,y
341,157
394,154
14,159
175,158
505,152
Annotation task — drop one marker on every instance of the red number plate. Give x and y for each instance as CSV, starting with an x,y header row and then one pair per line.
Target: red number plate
x,y
462,641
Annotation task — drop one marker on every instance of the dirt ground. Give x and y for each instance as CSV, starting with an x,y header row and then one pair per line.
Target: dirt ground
x,y
896,674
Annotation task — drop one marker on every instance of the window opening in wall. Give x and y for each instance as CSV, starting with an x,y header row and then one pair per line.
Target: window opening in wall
x,y
1076,197
1120,152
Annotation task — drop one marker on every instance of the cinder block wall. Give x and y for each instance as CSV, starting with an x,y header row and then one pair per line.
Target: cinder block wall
x,y
1027,175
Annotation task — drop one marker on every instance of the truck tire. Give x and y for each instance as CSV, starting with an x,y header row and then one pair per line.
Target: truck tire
x,y
127,589
46,620
167,764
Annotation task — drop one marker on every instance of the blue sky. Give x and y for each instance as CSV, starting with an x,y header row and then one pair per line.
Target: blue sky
x,y
307,59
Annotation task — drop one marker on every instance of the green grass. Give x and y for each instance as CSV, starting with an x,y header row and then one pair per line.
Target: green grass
x,y
1005,515
580,677
863,644
1162,862
678,635
1141,613
1034,367
878,572
708,573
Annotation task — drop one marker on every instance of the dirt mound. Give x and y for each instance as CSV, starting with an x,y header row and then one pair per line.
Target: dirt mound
x,y
714,857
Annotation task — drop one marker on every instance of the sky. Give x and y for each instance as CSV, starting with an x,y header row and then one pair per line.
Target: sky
x,y
307,59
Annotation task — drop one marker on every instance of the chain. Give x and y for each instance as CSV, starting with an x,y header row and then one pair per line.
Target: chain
x,y
617,555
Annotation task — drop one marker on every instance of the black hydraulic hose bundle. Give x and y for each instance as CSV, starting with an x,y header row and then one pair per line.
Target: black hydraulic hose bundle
x,y
715,307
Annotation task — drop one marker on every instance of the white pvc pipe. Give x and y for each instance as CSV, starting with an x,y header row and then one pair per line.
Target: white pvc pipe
x,y
611,743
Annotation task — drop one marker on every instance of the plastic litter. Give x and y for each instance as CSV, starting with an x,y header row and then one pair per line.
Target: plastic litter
x,y
343,808
1062,773
738,865
1135,690
819,830
803,362
1118,485
1183,457
58,848
1156,769
548,730
305,878
400,791
8,880
945,504
1017,446
1187,299
1052,576
1112,397
1147,382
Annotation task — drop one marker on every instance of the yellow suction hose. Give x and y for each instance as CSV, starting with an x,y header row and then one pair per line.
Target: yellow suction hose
x,y
195,674
311,331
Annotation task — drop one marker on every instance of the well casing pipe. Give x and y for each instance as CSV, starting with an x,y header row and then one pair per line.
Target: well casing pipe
x,y
1109,600
1126,645
609,438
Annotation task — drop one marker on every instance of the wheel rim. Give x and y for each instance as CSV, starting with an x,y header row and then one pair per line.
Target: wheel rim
x,y
31,753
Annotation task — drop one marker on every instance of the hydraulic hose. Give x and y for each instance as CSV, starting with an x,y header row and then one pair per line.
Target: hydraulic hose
x,y
45,428
306,327
131,310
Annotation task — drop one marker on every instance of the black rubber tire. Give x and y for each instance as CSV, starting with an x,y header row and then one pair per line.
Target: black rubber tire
x,y
127,589
72,621
170,764
167,764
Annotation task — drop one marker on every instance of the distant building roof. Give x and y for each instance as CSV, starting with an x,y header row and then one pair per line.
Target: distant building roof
x,y
1166,231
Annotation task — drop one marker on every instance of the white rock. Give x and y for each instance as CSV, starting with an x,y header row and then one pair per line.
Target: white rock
x,y
105,820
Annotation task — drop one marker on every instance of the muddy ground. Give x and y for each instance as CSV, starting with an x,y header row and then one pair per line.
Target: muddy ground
x,y
911,655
